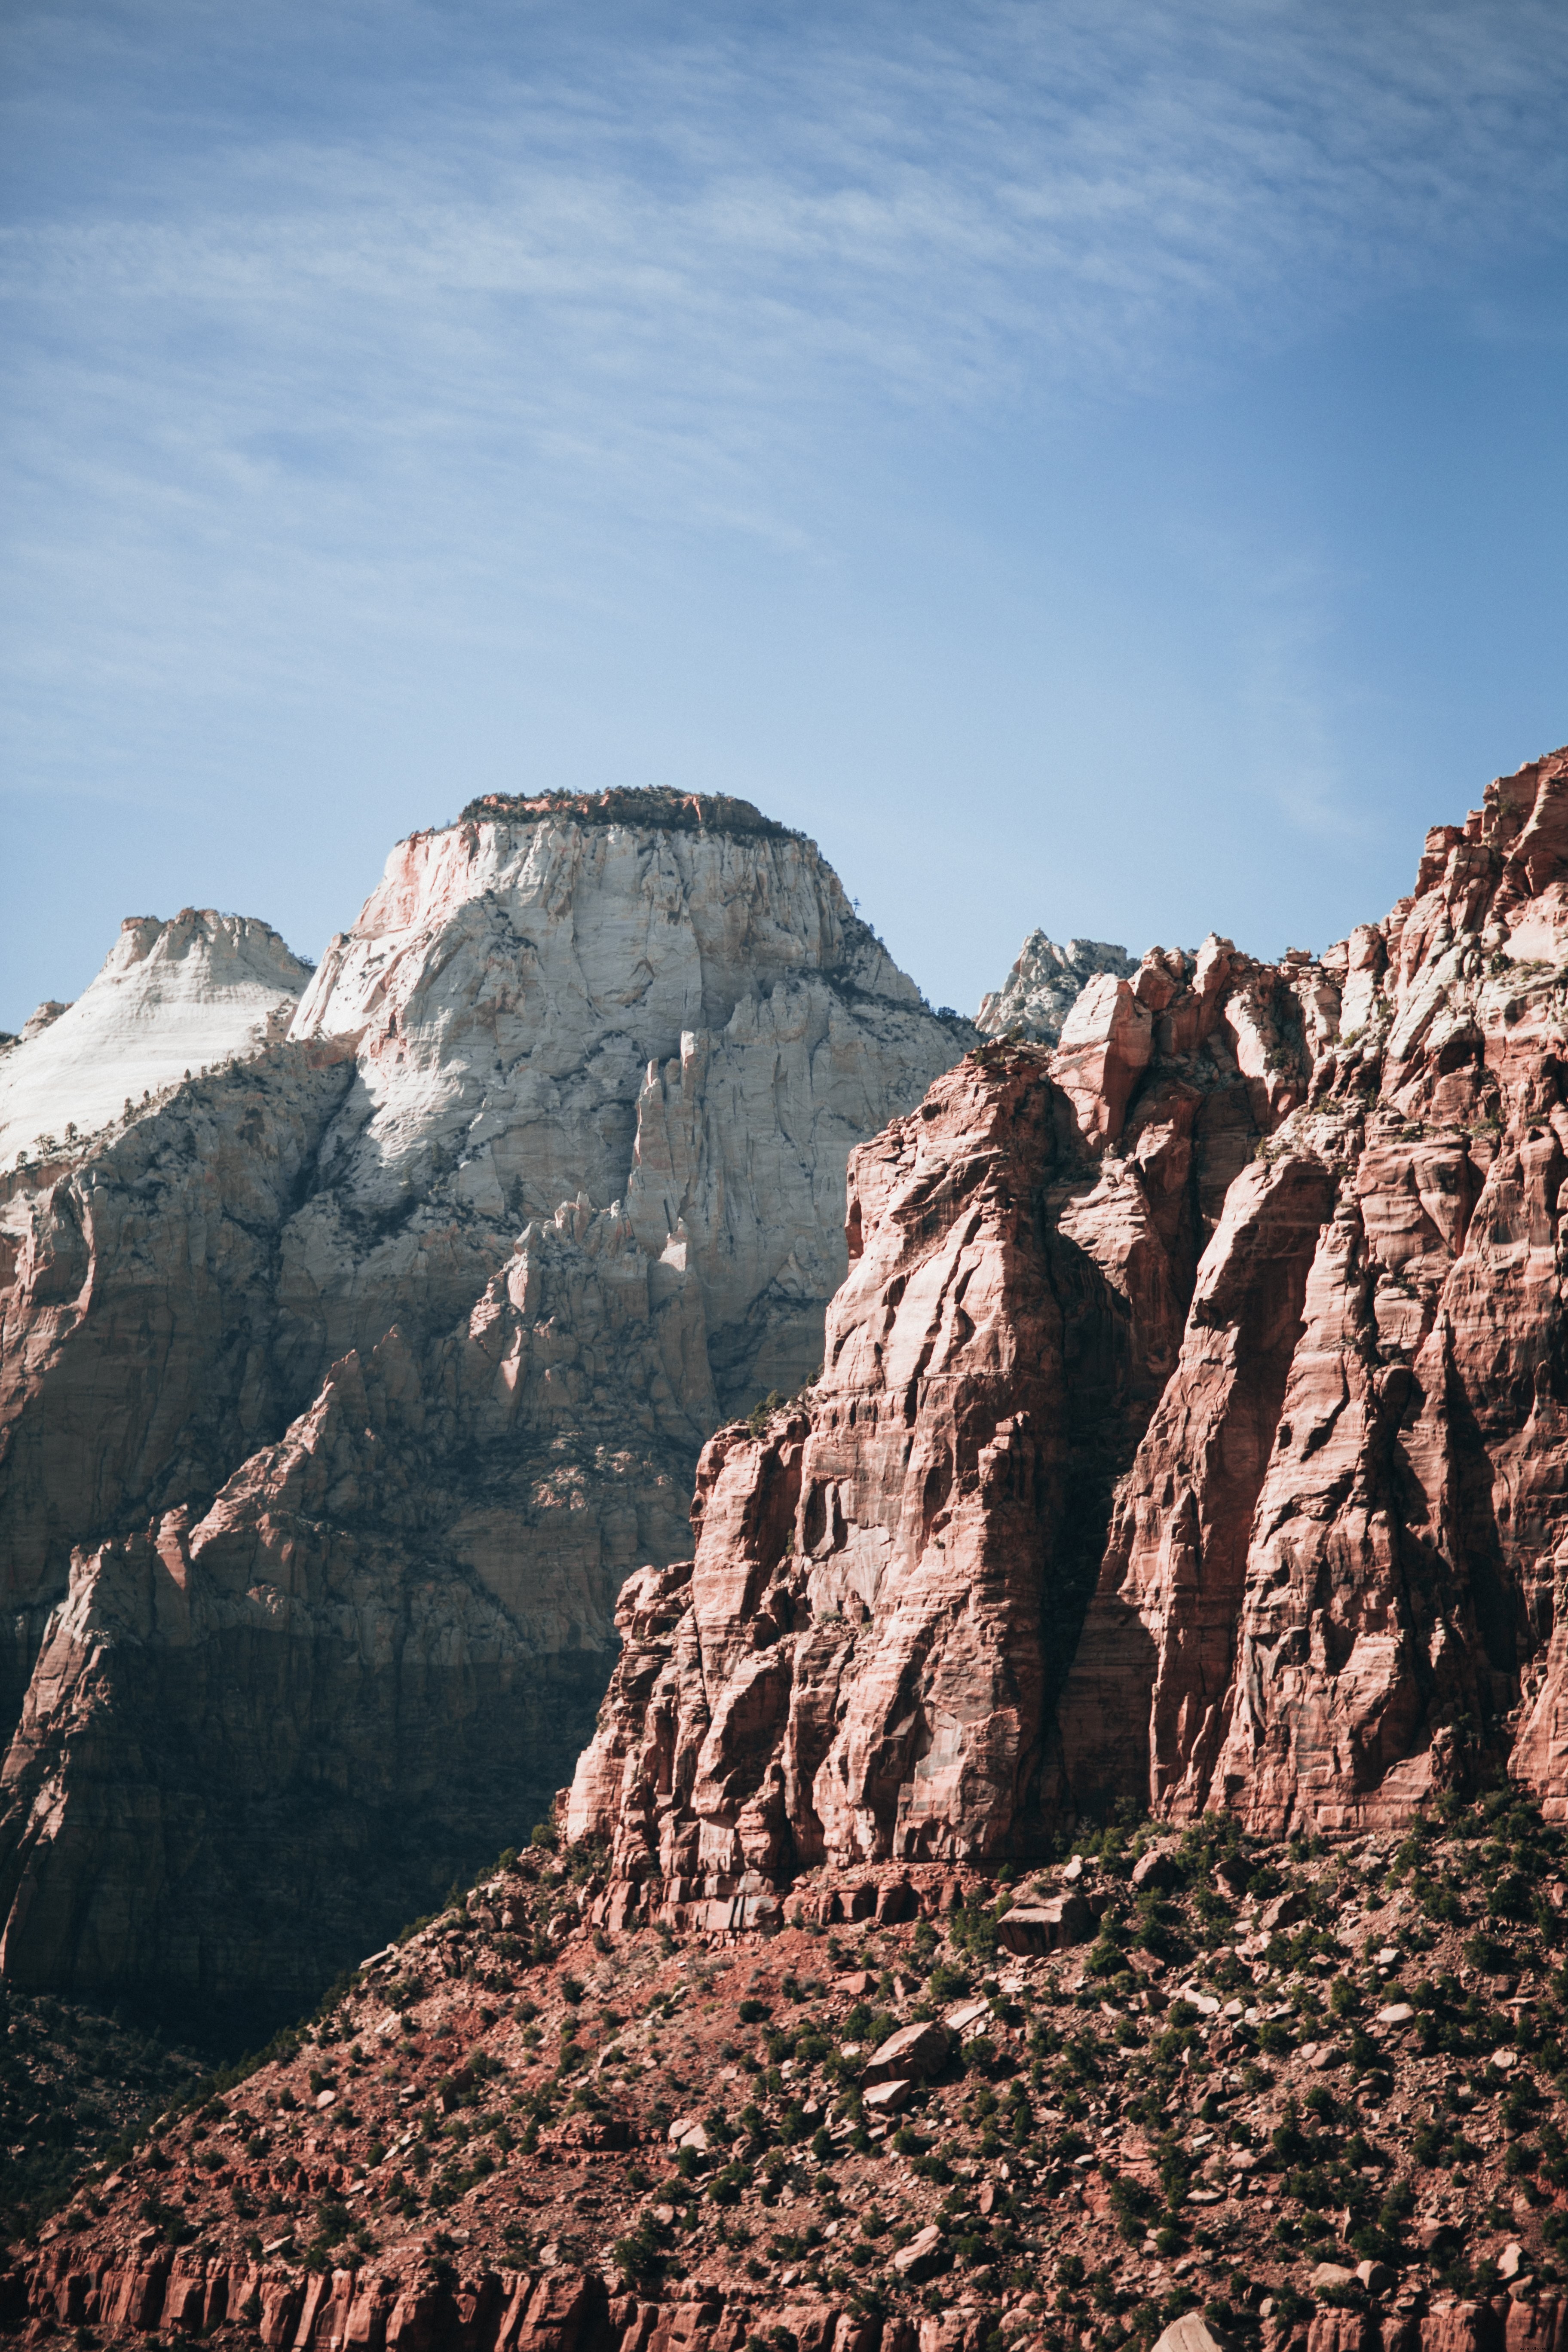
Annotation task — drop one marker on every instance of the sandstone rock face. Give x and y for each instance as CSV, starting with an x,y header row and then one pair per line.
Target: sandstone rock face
x,y
864,1657
1334,1575
39,1020
139,1286
1191,1431
694,1022
1043,985
244,1735
341,1386
173,998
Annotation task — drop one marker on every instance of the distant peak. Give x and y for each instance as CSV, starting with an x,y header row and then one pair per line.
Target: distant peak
x,y
1045,984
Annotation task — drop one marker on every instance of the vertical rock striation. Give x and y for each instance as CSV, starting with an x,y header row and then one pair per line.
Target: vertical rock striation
x,y
343,1383
864,1660
1320,1609
1191,1431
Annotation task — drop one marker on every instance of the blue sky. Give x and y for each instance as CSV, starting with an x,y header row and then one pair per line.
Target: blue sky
x,y
1100,467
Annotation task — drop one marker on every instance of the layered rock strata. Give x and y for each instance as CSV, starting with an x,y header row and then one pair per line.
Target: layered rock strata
x,y
341,1385
1335,1574
864,1658
1191,1432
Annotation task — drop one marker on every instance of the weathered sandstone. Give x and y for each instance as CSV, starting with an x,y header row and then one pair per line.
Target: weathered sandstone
x,y
864,1657
173,998
344,1382
886,2122
1043,985
1334,1577
1192,1429
1189,1437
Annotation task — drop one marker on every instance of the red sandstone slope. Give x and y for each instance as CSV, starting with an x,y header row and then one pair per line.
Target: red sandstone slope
x,y
1275,2075
1073,1517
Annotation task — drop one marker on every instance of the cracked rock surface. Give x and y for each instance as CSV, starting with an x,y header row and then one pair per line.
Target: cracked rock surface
x,y
1043,985
1193,1428
344,1376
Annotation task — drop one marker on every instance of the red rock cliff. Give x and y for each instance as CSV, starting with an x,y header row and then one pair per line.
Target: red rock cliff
x,y
1192,1429
865,1659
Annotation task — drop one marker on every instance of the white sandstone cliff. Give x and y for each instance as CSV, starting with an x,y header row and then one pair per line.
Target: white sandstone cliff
x,y
692,1021
172,999
345,1385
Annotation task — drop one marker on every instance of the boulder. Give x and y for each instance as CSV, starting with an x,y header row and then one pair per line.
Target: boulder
x,y
918,2051
1046,1926
925,2254
1158,1869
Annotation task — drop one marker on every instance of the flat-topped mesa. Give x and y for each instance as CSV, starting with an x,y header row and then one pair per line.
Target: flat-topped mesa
x,y
863,1659
559,997
648,804
549,1166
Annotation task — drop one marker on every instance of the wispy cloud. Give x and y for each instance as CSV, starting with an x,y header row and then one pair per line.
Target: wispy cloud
x,y
653,259
376,326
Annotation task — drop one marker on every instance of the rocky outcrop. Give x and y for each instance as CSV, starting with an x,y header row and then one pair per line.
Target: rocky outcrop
x,y
37,1021
1188,1437
141,1287
1044,983
692,1021
864,1659
1333,1583
245,1735
173,998
342,1384
1191,1431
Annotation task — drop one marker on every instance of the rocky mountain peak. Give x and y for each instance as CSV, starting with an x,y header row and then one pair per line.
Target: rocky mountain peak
x,y
1184,1484
174,997
1043,985
351,1373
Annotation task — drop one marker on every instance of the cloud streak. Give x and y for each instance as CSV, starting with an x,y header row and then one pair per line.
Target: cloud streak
x,y
342,346
668,272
